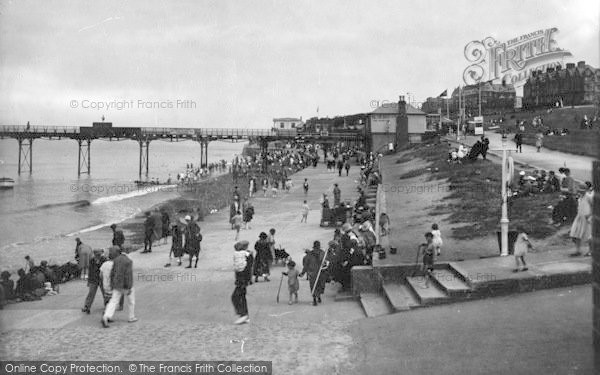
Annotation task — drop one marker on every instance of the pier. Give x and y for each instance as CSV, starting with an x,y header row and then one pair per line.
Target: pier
x,y
84,135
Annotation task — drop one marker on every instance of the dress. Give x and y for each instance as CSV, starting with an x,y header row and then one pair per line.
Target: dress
x,y
437,238
263,258
582,227
521,245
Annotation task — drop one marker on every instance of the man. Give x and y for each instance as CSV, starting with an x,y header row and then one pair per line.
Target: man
x,y
94,279
311,263
118,237
193,237
242,263
121,280
148,233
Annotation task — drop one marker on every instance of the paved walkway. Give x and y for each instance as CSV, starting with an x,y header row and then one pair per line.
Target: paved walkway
x,y
581,166
186,314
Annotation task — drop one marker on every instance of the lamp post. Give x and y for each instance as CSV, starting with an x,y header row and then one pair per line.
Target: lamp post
x,y
504,219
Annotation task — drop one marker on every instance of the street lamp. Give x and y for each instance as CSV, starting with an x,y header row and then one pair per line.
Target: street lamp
x,y
504,219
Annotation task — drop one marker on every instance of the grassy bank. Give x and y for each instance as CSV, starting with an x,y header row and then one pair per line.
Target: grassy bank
x,y
474,196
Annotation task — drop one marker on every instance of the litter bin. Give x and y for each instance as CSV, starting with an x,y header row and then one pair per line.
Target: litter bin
x,y
512,238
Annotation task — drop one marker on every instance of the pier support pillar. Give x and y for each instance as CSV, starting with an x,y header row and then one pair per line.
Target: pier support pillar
x,y
144,158
84,162
203,152
25,154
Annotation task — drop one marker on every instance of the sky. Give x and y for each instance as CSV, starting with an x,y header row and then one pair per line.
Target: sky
x,y
237,64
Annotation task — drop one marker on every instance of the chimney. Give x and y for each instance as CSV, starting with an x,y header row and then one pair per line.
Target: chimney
x,y
570,65
581,64
401,106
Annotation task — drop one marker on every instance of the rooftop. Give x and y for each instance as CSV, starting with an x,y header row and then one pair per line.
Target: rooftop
x,y
392,108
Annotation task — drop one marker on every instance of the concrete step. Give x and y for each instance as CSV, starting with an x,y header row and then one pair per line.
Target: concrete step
x,y
400,297
432,295
344,296
451,283
375,304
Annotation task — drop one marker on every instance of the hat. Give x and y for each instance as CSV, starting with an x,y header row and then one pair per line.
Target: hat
x,y
346,227
332,243
522,173
187,218
241,245
96,251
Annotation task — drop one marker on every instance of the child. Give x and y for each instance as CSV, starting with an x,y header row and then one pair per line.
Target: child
x,y
428,252
293,284
237,223
437,238
274,187
305,186
522,245
305,210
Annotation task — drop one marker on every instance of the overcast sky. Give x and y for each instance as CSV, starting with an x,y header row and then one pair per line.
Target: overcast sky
x,y
243,63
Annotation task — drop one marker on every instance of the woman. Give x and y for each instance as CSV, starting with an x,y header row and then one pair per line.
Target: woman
x,y
263,257
581,230
248,214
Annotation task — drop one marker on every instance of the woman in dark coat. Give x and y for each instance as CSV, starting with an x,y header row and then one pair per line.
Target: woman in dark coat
x,y
263,257
193,237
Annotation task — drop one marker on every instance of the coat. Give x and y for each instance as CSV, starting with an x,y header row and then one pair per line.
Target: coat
x,y
193,237
121,275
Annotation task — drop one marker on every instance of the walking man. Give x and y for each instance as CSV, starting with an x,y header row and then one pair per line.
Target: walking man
x,y
242,264
148,233
118,237
121,280
94,279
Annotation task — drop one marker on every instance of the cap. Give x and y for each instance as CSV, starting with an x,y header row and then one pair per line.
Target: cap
x,y
188,217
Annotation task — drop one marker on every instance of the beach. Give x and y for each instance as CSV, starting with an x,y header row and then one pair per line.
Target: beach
x,y
47,210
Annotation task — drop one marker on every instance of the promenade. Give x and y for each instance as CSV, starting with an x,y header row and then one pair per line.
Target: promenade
x,y
549,160
186,314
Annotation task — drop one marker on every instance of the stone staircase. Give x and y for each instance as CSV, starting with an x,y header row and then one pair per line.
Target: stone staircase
x,y
410,292
406,289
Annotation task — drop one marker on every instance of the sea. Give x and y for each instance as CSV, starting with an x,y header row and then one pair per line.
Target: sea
x,y
46,210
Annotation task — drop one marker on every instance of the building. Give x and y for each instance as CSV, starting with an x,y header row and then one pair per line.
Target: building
x,y
396,124
495,98
435,105
575,85
288,123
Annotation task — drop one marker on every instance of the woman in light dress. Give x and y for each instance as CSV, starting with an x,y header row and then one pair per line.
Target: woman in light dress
x,y
581,230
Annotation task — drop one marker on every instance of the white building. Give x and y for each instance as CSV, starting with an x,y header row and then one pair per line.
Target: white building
x,y
288,123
